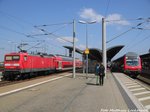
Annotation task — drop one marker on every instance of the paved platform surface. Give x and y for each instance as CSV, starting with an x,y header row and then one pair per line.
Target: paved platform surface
x,y
136,91
67,95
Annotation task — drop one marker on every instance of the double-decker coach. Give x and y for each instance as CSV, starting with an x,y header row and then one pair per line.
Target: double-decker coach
x,y
130,63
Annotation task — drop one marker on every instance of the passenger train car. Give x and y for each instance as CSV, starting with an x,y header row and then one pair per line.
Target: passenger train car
x,y
130,64
23,65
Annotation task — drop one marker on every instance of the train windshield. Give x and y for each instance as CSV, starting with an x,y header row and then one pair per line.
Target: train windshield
x,y
12,58
133,62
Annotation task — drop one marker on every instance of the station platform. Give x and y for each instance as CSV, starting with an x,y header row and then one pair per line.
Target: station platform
x,y
69,95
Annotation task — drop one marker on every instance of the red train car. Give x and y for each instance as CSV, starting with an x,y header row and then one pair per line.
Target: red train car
x,y
23,65
130,64
66,63
63,62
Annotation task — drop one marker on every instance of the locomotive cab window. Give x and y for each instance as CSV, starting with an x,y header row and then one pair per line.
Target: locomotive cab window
x,y
16,58
8,58
12,58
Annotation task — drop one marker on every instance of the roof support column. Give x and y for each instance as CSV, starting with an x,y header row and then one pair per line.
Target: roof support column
x,y
70,53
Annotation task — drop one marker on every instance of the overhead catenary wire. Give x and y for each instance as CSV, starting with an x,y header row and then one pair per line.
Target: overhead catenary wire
x,y
35,45
14,31
139,42
47,33
143,28
52,33
43,30
119,35
131,42
107,7
14,18
125,32
2,38
130,19
65,23
19,20
39,43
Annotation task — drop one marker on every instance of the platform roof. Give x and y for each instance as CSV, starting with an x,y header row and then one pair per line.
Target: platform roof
x,y
145,55
71,48
111,52
96,54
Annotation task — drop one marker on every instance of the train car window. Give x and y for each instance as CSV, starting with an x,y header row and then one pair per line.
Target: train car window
x,y
8,58
132,62
16,57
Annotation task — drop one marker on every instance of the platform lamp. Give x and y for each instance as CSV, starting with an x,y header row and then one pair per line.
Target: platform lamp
x,y
87,50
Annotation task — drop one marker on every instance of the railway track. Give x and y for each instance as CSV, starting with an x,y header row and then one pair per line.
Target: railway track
x,y
143,79
3,83
6,83
143,82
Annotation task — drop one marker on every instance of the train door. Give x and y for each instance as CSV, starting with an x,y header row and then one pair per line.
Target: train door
x,y
24,64
59,65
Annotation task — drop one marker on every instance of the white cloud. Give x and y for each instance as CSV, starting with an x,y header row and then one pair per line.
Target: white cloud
x,y
90,14
66,39
117,19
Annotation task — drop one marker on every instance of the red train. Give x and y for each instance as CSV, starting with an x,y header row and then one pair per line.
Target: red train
x,y
23,65
130,64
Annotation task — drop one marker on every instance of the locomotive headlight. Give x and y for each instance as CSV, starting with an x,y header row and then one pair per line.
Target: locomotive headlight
x,y
7,64
16,64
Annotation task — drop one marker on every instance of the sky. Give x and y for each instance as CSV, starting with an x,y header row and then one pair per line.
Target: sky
x,y
21,21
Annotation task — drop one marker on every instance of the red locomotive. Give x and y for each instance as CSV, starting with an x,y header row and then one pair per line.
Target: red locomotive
x,y
23,65
130,63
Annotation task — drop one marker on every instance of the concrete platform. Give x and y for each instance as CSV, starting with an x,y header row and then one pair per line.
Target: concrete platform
x,y
68,95
135,91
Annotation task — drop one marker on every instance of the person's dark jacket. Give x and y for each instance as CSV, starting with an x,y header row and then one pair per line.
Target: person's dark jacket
x,y
102,70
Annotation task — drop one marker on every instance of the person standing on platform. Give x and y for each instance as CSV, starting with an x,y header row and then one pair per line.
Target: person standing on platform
x,y
97,73
101,74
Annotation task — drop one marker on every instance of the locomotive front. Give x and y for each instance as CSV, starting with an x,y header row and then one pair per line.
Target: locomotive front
x,y
132,64
12,66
